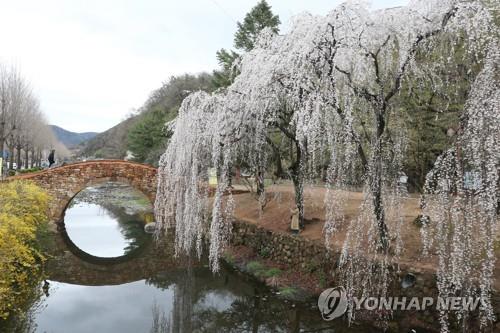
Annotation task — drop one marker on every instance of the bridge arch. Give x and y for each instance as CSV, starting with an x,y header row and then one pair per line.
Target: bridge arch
x,y
65,182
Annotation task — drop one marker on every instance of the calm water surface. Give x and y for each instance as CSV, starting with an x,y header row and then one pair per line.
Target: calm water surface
x,y
97,231
145,289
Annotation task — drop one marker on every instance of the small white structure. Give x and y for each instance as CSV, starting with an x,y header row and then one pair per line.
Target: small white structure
x,y
212,176
150,228
472,180
129,156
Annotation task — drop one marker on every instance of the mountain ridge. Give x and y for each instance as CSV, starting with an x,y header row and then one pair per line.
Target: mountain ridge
x,y
111,143
71,139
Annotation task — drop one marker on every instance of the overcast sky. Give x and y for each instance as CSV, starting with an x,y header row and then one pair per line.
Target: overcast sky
x,y
92,61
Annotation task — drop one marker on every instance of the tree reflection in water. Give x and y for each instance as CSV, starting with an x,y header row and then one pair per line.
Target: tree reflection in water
x,y
131,225
239,307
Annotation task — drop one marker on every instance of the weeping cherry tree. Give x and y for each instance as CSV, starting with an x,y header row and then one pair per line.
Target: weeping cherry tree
x,y
333,85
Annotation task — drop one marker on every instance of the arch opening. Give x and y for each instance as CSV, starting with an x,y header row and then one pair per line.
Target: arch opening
x,y
104,222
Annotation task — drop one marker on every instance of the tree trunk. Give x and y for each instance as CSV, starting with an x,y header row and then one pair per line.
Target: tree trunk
x,y
260,191
19,158
279,166
11,157
376,184
33,157
38,158
298,186
26,157
2,134
277,158
297,176
2,148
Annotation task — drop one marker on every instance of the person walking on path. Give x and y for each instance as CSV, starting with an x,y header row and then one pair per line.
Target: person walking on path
x,y
51,157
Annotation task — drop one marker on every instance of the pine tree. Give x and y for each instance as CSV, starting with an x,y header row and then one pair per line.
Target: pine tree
x,y
225,76
259,18
255,21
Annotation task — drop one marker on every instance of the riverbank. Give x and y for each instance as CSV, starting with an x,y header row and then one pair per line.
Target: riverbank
x,y
23,236
300,267
272,259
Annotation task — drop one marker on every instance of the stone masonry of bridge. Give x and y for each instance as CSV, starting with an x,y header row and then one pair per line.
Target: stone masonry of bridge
x,y
64,182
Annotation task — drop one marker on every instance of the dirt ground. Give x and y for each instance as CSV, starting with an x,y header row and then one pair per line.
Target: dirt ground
x,y
276,217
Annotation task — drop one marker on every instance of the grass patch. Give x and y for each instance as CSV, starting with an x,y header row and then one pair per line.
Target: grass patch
x,y
255,267
35,169
260,270
288,291
272,272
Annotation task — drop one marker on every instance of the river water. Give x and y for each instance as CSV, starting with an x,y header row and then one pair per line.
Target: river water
x,y
110,276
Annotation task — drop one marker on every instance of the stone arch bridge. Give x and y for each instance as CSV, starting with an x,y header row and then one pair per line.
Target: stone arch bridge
x,y
64,182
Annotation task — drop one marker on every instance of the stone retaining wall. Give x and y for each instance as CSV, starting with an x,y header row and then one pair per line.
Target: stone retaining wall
x,y
283,248
299,253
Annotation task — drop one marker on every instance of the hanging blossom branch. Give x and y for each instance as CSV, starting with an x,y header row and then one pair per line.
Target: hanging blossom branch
x,y
183,195
462,195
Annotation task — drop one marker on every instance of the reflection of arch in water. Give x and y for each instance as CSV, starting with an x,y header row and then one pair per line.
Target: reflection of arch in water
x,y
74,266
89,258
